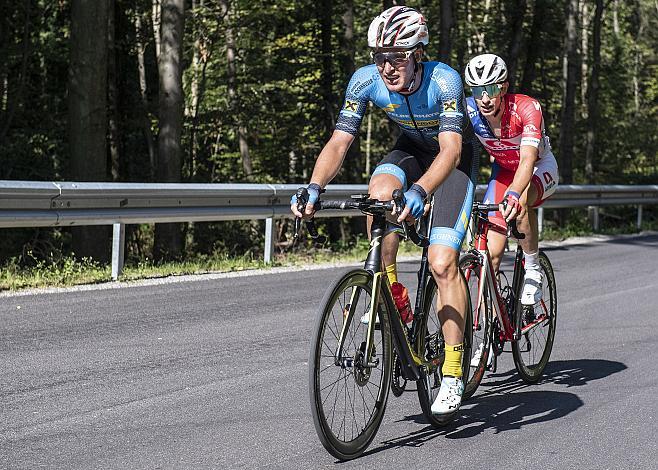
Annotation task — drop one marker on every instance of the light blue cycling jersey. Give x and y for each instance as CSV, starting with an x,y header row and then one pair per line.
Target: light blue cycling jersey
x,y
438,105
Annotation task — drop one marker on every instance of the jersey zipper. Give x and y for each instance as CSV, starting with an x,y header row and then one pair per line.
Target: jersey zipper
x,y
411,115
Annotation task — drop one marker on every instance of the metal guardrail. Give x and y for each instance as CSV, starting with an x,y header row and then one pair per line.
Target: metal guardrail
x,y
65,204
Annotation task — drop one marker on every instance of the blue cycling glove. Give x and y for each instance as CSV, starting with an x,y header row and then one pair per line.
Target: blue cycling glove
x,y
314,191
414,198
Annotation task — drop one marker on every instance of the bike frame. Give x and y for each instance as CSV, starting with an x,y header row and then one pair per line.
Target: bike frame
x,y
509,332
410,361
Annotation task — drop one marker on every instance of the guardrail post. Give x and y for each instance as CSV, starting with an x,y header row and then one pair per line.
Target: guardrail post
x,y
540,220
118,246
593,212
639,217
269,239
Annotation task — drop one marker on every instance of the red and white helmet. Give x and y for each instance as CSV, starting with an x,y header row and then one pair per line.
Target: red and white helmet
x,y
398,27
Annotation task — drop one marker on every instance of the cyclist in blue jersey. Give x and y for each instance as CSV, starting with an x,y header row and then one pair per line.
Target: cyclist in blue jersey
x,y
434,154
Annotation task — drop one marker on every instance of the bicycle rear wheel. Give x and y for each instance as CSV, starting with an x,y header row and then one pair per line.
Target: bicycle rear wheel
x,y
533,350
348,398
430,344
482,323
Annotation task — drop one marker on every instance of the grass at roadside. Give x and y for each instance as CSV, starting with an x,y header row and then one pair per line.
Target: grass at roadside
x,y
70,272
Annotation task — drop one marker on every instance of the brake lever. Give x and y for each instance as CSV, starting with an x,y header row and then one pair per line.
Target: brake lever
x,y
302,200
511,226
398,198
313,232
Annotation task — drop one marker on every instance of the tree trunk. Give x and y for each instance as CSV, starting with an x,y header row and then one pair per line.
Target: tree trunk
x,y
326,73
514,47
591,150
140,34
168,237
88,111
113,94
445,36
584,54
199,60
231,54
534,47
16,101
354,162
156,19
570,75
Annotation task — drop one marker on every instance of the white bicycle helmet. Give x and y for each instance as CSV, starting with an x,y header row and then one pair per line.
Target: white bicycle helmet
x,y
485,69
398,27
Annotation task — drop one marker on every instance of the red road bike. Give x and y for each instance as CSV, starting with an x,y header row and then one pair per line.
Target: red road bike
x,y
498,315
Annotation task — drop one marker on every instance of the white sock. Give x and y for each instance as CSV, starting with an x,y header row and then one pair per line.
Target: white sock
x,y
531,261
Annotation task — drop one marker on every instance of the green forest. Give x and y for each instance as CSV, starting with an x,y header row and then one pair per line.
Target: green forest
x,y
236,91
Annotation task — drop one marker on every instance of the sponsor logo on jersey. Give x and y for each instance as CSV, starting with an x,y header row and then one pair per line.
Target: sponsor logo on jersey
x,y
420,124
530,128
351,106
391,107
450,105
537,105
443,84
359,87
496,144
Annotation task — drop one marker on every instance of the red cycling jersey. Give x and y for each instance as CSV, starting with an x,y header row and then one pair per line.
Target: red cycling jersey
x,y
522,123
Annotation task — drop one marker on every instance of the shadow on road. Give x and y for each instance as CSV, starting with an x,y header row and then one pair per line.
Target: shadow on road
x,y
509,404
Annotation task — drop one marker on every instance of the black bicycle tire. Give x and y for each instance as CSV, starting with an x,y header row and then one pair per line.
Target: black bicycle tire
x,y
534,373
341,449
424,396
471,386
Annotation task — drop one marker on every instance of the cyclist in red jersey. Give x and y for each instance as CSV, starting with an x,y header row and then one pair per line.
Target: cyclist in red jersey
x,y
524,174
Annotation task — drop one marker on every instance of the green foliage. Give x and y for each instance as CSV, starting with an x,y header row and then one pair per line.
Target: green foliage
x,y
282,105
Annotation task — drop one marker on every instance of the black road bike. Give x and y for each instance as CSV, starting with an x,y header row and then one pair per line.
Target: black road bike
x,y
361,348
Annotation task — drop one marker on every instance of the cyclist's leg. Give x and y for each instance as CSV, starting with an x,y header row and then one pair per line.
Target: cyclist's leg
x,y
398,170
542,185
501,178
453,201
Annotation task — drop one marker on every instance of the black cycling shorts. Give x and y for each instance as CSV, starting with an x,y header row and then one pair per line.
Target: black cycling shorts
x,y
453,199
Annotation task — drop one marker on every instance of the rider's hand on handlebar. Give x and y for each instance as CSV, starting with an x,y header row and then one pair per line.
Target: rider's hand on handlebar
x,y
511,207
314,191
414,202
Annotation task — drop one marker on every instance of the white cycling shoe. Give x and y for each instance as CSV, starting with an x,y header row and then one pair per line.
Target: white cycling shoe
x,y
532,287
365,319
449,398
475,360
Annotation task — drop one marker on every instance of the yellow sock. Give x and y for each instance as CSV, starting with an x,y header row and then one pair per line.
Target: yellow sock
x,y
453,362
392,273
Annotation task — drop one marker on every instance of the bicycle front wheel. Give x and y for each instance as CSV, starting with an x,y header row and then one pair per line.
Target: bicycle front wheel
x,y
533,349
430,345
348,395
482,323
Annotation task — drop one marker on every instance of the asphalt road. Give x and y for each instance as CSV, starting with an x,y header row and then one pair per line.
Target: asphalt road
x,y
213,374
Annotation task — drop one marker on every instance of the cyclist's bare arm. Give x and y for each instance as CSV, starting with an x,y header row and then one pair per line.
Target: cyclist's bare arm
x,y
328,164
447,160
331,158
523,175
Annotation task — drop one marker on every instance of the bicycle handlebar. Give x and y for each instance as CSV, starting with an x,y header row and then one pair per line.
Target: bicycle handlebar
x,y
358,202
479,207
